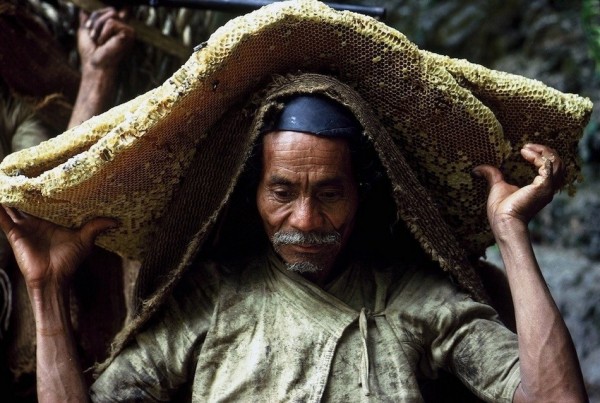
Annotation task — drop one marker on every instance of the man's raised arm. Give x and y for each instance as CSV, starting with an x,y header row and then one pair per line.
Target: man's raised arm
x,y
48,256
103,40
549,366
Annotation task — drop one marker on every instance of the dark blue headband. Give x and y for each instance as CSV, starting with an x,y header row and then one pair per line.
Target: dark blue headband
x,y
315,114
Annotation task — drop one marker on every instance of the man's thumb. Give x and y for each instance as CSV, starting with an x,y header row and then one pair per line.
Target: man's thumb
x,y
491,174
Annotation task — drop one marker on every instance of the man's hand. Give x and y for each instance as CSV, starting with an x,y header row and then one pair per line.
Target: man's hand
x,y
48,254
103,38
509,203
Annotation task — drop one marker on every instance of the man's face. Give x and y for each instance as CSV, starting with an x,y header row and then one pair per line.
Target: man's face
x,y
307,198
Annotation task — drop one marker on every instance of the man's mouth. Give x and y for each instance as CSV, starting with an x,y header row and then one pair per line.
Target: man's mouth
x,y
307,248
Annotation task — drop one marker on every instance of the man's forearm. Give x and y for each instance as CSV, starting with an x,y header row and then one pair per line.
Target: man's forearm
x,y
96,94
549,367
59,376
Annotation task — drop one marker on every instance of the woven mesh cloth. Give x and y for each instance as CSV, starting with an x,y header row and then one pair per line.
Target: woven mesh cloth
x,y
444,115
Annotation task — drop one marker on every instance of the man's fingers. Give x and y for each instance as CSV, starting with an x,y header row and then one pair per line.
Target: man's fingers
x,y
538,148
99,17
6,221
115,30
537,154
533,156
84,19
548,163
14,214
544,177
98,20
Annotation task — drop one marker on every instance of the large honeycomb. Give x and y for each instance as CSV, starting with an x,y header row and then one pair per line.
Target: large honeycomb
x,y
445,116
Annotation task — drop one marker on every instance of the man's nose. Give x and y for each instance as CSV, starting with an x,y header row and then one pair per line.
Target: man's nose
x,y
306,215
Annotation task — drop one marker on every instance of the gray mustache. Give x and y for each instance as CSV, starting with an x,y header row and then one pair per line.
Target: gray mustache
x,y
306,238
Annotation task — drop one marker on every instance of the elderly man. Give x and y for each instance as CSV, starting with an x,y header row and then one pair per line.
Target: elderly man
x,y
311,317
304,195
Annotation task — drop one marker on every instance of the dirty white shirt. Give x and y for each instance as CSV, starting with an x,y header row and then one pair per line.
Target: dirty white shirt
x,y
266,334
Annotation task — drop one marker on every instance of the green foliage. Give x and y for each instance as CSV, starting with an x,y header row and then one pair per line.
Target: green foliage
x,y
590,14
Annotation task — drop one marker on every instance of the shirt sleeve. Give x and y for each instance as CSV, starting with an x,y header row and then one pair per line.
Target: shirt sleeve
x,y
460,335
161,359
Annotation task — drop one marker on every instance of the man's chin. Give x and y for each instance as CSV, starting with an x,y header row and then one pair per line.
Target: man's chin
x,y
308,262
303,267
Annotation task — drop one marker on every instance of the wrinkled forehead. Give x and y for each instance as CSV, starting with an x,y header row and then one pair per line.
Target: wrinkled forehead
x,y
305,150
